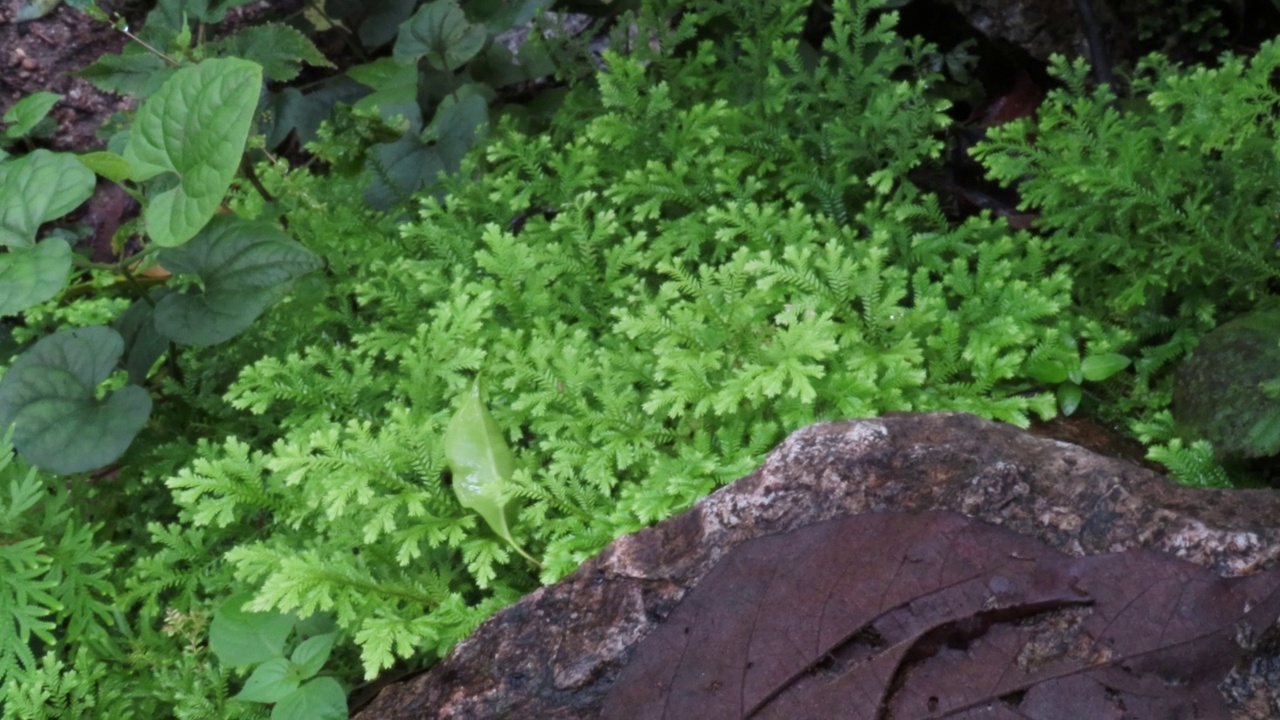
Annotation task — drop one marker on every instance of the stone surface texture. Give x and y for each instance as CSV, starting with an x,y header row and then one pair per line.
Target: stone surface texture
x,y
556,653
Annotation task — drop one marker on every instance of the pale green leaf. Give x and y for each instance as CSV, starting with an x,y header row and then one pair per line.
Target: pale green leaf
x,y
193,131
107,164
480,460
36,188
242,638
50,392
1100,367
312,653
31,275
27,112
319,699
270,682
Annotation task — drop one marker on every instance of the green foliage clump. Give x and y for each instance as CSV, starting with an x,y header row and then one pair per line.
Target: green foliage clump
x,y
1162,205
656,292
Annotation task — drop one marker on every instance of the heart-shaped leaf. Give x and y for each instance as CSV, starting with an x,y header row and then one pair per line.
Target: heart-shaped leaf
x,y
270,682
31,275
193,130
239,637
50,393
37,188
439,31
244,266
312,653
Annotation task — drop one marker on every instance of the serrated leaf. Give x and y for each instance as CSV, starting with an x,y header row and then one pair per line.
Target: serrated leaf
x,y
193,131
280,50
1096,368
244,266
107,164
27,112
319,699
481,464
36,188
270,682
1069,395
312,653
135,71
50,393
31,275
242,638
439,32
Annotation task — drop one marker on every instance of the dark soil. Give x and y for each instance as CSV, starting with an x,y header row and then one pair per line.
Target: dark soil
x,y
40,55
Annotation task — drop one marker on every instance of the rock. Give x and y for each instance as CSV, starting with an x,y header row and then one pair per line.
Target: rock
x,y
1228,391
557,652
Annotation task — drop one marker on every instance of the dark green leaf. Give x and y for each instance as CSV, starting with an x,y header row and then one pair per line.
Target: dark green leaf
x,y
144,344
502,15
400,169
51,393
244,266
381,26
280,50
456,127
395,90
1068,398
135,71
439,32
291,110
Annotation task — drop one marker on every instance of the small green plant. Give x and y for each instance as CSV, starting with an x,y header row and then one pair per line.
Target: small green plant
x,y
1068,372
291,683
182,153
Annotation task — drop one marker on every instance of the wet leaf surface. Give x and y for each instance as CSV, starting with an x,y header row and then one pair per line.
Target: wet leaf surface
x,y
935,615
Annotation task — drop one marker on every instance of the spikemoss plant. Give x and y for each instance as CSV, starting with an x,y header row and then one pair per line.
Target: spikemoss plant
x,y
655,296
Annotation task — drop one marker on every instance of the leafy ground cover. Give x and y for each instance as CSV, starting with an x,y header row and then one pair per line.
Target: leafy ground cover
x,y
699,241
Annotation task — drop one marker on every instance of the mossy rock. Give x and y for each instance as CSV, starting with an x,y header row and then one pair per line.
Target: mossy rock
x,y
1228,391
